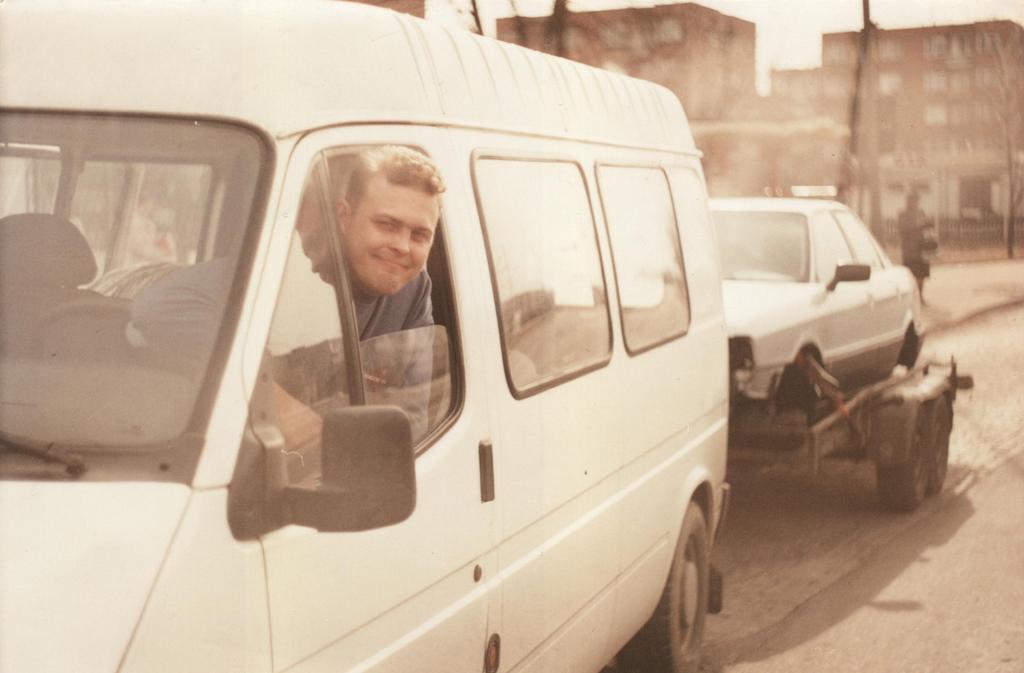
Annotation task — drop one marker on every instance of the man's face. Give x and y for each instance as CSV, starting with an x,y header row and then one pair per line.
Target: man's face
x,y
387,236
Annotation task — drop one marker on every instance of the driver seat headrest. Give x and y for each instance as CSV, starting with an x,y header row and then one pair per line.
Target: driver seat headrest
x,y
43,251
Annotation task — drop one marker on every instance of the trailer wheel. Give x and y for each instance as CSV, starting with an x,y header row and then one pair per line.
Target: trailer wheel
x,y
942,425
903,487
670,641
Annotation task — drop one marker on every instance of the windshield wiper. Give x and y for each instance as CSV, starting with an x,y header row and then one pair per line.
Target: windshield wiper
x,y
47,452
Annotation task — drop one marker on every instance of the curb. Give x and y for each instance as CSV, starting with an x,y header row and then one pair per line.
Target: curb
x,y
973,315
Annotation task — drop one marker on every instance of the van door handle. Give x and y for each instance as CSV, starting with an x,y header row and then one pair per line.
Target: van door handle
x,y
486,453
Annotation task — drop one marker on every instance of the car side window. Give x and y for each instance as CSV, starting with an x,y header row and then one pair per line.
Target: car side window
x,y
865,250
548,283
306,352
646,254
830,247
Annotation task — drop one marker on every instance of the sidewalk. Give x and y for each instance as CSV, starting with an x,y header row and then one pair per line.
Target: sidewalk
x,y
957,292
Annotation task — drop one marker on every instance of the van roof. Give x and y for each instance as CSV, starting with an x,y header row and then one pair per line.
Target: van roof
x,y
288,66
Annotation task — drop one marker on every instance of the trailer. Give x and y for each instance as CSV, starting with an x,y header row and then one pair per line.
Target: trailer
x,y
902,424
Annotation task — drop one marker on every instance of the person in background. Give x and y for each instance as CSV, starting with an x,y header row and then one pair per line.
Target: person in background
x,y
917,241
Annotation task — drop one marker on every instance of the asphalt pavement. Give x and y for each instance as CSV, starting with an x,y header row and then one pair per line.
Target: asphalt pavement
x,y
819,577
957,292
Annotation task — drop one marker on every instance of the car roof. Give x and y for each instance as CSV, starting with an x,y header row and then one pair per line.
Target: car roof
x,y
289,66
774,204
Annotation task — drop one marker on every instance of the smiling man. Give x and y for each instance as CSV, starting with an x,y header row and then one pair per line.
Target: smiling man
x,y
386,223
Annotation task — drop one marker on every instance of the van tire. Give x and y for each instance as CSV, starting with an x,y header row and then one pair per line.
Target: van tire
x,y
670,641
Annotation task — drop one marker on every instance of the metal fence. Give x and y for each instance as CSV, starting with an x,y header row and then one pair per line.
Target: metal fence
x,y
964,232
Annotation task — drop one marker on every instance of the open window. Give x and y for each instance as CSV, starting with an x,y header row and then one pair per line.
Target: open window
x,y
334,345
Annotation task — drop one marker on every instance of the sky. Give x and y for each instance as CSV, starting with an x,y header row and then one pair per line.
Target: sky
x,y
788,31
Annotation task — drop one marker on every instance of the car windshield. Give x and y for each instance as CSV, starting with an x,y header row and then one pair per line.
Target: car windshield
x,y
119,240
762,245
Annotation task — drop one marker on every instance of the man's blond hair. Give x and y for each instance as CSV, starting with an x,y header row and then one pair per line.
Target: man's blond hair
x,y
400,166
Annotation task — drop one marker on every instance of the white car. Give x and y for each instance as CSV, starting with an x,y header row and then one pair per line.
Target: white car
x,y
806,276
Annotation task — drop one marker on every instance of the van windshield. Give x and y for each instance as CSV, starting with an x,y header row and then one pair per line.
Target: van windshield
x,y
119,241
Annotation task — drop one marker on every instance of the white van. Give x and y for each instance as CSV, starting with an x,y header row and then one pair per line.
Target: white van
x,y
565,479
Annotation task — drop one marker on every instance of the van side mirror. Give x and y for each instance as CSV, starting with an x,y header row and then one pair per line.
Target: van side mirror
x,y
368,473
848,273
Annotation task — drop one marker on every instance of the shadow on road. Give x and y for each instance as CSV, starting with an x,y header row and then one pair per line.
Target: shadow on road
x,y
793,541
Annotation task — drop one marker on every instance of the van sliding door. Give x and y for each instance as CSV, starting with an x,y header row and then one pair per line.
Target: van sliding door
x,y
556,435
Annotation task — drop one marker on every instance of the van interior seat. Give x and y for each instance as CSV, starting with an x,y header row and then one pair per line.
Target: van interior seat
x,y
44,260
44,252
44,263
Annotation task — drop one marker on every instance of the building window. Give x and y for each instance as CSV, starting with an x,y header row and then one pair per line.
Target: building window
x,y
937,145
935,46
835,87
838,53
935,80
668,32
961,45
976,195
935,115
960,81
889,83
890,49
986,77
615,35
959,115
575,39
984,41
961,145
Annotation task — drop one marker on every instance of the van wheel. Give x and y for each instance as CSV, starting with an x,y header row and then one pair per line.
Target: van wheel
x,y
670,641
903,487
942,425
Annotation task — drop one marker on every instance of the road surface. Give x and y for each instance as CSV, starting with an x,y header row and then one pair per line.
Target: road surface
x,y
819,577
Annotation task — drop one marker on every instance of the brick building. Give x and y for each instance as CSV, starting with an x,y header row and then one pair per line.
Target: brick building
x,y
705,57
939,103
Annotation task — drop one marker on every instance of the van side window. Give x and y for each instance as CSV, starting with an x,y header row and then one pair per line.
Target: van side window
x,y
404,365
646,254
548,283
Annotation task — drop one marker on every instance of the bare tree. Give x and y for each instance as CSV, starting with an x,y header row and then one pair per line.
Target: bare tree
x,y
475,11
554,31
1009,104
